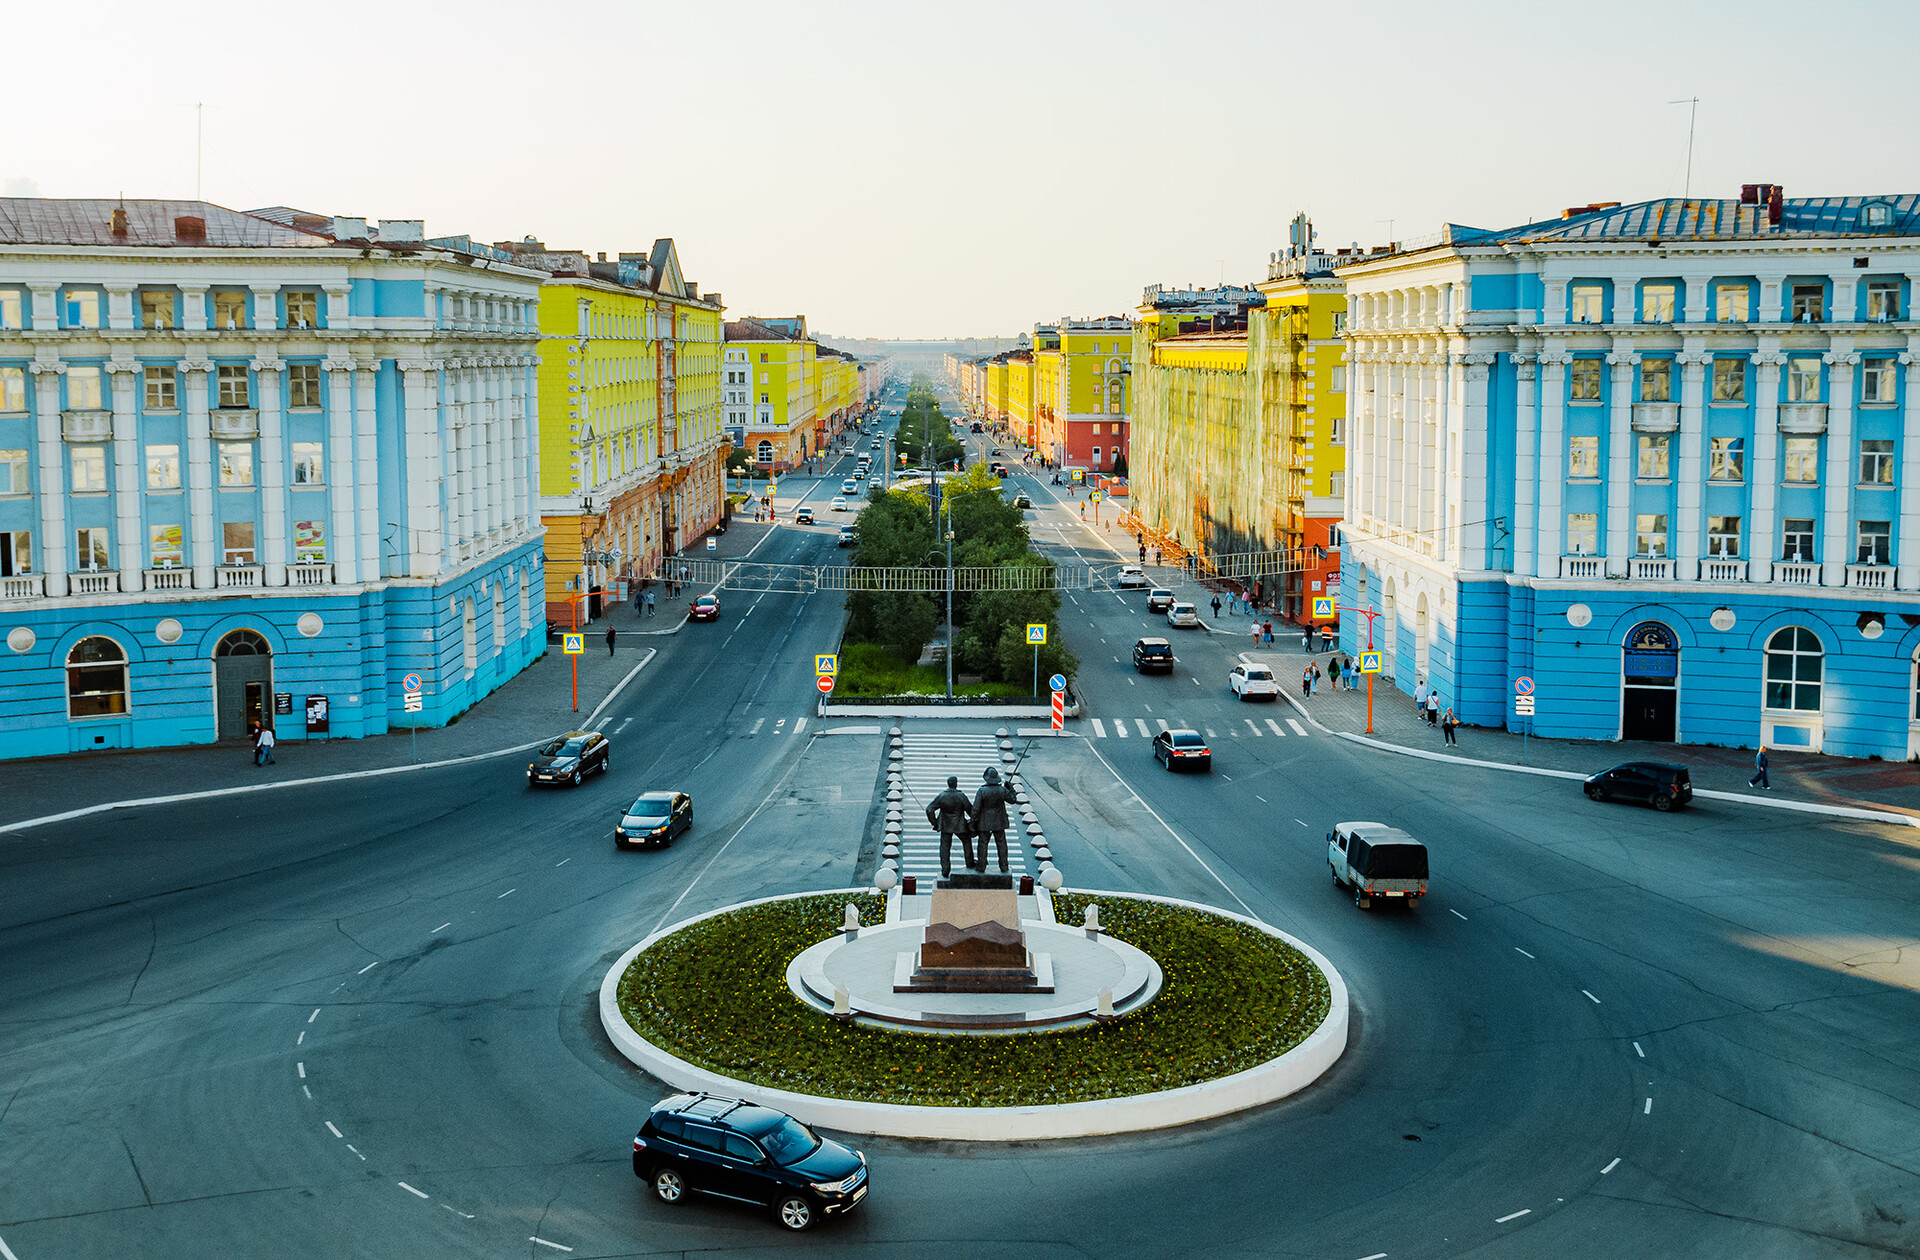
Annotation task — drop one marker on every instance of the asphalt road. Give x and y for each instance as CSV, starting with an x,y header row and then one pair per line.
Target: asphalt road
x,y
346,1023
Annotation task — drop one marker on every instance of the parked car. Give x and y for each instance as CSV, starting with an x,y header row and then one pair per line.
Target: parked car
x,y
653,820
1179,748
846,535
1183,615
1376,860
1660,784
569,758
735,1150
1248,681
1159,599
1151,655
803,516
705,608
1132,577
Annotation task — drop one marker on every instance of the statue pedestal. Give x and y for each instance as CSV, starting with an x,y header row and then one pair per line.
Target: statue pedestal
x,y
973,943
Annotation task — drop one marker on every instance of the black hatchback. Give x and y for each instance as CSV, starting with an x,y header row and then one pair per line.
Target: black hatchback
x,y
750,1154
569,758
1660,784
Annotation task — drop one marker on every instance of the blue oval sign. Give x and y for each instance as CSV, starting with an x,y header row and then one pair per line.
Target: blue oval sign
x,y
1058,682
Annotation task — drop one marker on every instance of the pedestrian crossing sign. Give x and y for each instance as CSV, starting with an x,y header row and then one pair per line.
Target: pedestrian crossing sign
x,y
1322,607
1369,662
1037,634
573,644
826,665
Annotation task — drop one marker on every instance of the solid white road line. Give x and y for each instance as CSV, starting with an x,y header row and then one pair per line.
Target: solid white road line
x,y
1456,914
333,1130
1591,998
410,1190
369,967
800,724
778,788
1637,1050
1648,1109
1176,835
1610,1167
6,1252
544,1243
1512,1216
1518,950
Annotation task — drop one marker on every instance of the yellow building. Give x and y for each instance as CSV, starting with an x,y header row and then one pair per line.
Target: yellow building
x,y
1082,392
632,452
798,395
1020,395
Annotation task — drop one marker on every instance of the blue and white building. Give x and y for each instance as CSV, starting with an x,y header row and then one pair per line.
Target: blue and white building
x,y
258,457
1663,459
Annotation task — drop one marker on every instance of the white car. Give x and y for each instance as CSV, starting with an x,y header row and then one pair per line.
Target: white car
x,y
1248,681
1132,577
873,483
849,486
1183,615
838,505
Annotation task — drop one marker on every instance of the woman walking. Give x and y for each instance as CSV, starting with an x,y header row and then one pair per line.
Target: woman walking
x,y
1447,725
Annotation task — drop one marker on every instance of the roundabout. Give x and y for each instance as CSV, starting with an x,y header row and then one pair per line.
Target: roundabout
x,y
1242,1015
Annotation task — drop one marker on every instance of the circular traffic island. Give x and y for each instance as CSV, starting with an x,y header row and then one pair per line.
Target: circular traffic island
x,y
1242,1015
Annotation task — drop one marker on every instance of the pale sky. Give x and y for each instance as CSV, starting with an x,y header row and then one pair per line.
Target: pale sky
x,y
917,170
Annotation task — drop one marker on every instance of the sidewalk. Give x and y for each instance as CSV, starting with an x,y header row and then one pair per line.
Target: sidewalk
x,y
1809,778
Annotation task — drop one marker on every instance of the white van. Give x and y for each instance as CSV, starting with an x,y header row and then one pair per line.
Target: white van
x,y
1376,860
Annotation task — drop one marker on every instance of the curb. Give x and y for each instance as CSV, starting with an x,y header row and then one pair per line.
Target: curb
x,y
1265,1083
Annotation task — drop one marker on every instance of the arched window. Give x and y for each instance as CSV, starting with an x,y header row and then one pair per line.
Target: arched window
x,y
499,619
526,613
469,637
243,643
96,678
764,452
1794,662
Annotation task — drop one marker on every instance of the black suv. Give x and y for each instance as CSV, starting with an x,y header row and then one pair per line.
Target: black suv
x,y
569,758
1152,654
1660,784
751,1154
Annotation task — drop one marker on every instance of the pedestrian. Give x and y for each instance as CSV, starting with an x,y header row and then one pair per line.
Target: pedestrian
x,y
1143,553
611,635
1256,632
1419,697
1313,677
1306,638
1447,724
1760,779
263,746
1267,628
1433,707
1216,608
1353,679
1306,681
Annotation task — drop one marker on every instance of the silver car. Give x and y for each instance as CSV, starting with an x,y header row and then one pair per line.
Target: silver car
x,y
1183,616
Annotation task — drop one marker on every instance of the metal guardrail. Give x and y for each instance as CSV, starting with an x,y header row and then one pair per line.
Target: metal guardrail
x,y
747,575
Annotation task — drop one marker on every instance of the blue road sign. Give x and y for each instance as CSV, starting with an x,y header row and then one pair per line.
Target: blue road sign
x,y
1058,682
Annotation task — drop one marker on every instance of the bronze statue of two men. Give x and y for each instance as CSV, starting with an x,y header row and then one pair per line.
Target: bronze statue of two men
x,y
951,814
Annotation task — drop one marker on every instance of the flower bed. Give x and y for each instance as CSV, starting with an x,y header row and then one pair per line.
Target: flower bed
x,y
715,995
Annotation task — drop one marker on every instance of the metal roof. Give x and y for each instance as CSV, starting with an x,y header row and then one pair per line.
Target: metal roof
x,y
150,224
1681,219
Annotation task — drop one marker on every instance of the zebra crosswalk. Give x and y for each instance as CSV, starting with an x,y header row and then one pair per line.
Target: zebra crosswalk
x,y
927,759
1132,728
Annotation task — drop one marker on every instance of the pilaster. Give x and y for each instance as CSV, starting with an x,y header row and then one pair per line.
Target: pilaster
x,y
1764,475
124,375
1907,541
53,471
1690,485
426,470
1553,445
1841,469
1526,461
273,470
205,552
341,533
1620,458
366,455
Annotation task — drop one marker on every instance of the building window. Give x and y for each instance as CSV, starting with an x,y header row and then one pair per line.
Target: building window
x,y
162,388
1583,533
1809,303
1337,430
1337,378
303,385
1723,537
234,390
307,469
156,309
236,540
236,464
1878,384
1654,448
89,469
1656,304
96,678
163,467
764,452
1803,380
1729,380
1803,459
13,473
1726,459
1794,659
1731,303
1650,534
1796,539
83,308
83,389
164,547
1656,380
1876,462
1883,302
1583,456
1875,545
1339,322
13,389
309,542
16,553
1096,457
1589,303
1336,484
230,308
10,310
90,550
1583,380
303,309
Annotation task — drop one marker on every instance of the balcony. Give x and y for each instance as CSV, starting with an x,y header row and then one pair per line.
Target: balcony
x,y
1796,573
233,424
1870,577
239,575
171,578
1656,417
309,574
94,583
86,426
25,586
1586,568
1807,419
1650,568
1723,570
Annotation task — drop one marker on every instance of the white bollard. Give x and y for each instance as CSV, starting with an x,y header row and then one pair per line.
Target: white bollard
x,y
843,1005
1093,917
1103,1011
853,919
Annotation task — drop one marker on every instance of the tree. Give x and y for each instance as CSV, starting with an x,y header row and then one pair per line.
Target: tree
x,y
1119,465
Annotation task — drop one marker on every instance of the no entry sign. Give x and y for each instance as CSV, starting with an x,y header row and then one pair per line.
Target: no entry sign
x,y
825,684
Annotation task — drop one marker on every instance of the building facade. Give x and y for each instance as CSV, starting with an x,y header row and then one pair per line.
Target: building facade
x,y
258,468
1083,391
777,359
1662,459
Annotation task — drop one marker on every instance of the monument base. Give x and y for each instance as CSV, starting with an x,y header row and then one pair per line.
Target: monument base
x,y
909,976
977,881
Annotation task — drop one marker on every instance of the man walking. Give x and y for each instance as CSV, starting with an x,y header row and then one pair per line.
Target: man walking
x,y
949,813
1760,779
263,746
1216,608
649,603
611,635
990,818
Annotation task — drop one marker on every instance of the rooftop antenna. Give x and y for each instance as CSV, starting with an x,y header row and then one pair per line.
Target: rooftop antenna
x,y
1693,108
199,143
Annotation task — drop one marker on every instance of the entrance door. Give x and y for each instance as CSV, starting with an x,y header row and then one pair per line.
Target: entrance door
x,y
1649,714
1650,683
242,684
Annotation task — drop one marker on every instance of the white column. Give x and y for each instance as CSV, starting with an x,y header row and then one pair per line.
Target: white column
x,y
266,305
425,460
53,471
338,300
499,454
1468,483
127,480
273,471
1771,300
1836,546
120,312
342,533
1553,443
366,441
1763,470
1846,290
1698,295
1691,484
1620,459
1907,540
1526,460
193,306
526,405
194,375
460,455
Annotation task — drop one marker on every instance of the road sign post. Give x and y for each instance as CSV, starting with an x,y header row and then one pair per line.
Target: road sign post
x,y
1036,635
825,683
1523,708
1059,710
826,664
411,703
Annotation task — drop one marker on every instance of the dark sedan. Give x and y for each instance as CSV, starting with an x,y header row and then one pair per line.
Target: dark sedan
x,y
569,758
1660,784
1180,749
653,820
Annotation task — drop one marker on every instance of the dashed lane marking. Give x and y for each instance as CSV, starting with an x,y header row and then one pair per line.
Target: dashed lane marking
x,y
369,967
308,1092
507,893
1518,950
301,1040
1512,1216
544,1243
447,924
1637,1050
336,1132
1648,1109
1456,914
302,1069
1591,998
314,1016
562,862
410,1190
1610,1167
457,1212
356,1151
